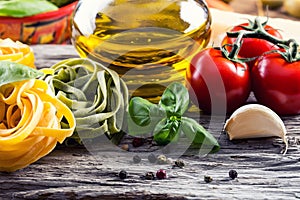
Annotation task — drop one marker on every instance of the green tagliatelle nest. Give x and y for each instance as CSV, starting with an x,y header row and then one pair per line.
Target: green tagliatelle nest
x,y
95,94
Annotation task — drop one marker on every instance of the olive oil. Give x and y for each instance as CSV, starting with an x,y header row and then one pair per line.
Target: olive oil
x,y
147,42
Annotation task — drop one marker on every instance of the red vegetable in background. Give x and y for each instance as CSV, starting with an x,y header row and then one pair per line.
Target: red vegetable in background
x,y
217,82
218,75
276,74
253,47
276,83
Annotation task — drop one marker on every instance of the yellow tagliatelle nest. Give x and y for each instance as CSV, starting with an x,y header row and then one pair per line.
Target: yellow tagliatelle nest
x,y
30,123
16,52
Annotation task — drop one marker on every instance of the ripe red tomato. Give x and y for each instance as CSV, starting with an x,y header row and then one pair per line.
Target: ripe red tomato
x,y
218,83
276,84
253,47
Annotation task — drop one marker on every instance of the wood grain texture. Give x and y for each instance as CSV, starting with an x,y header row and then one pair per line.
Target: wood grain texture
x,y
78,173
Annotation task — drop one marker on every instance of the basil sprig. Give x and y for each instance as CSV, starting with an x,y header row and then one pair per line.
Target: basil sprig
x,y
166,121
12,72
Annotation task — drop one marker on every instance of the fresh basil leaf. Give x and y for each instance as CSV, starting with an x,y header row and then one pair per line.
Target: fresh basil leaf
x,y
13,72
166,131
198,135
24,8
142,111
175,99
143,116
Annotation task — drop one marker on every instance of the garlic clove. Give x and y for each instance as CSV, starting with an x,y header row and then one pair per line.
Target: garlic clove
x,y
255,121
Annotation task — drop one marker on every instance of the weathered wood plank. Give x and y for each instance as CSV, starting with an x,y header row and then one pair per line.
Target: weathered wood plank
x,y
48,55
76,173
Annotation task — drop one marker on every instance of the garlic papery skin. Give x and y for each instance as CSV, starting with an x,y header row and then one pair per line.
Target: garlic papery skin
x,y
255,121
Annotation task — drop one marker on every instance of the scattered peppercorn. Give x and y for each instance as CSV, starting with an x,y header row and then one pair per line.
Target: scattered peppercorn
x,y
208,179
125,147
137,142
179,163
136,159
149,176
122,174
233,174
152,158
169,161
161,174
161,159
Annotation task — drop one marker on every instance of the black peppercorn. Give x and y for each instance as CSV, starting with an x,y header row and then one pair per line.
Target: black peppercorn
x,y
208,179
233,174
161,174
152,158
179,163
149,176
137,142
136,159
122,174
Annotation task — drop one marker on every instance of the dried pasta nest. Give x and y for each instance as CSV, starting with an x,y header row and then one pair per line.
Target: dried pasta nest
x,y
30,123
16,52
95,94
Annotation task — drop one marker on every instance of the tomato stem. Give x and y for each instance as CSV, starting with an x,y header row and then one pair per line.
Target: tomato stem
x,y
256,30
259,33
235,48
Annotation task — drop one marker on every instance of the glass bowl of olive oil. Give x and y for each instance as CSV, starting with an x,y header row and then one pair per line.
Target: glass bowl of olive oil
x,y
147,42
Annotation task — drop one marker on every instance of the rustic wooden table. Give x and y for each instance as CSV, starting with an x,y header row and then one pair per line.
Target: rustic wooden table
x,y
79,173
76,173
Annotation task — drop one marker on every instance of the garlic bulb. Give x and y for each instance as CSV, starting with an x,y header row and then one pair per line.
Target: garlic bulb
x,y
254,121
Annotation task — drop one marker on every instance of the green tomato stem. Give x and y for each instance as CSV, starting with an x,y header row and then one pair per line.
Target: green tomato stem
x,y
291,53
236,46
